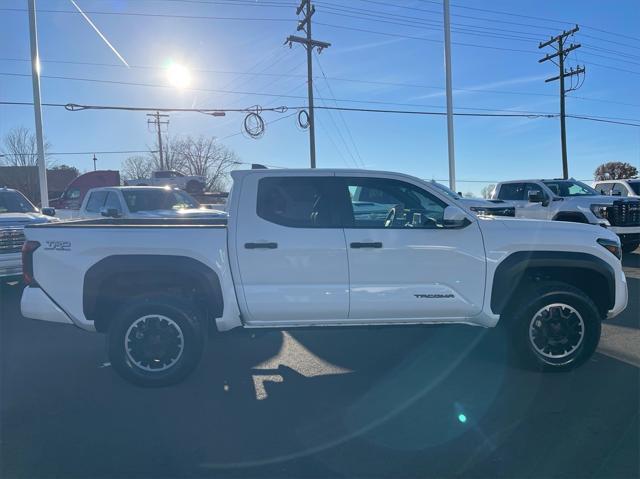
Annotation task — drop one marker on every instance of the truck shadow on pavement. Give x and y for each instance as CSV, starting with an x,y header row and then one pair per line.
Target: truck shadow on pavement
x,y
405,402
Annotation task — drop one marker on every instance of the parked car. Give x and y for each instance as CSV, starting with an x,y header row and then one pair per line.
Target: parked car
x,y
478,205
174,179
16,211
572,200
630,187
75,192
129,202
293,253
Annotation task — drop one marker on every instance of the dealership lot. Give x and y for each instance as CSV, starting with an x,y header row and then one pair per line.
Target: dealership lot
x,y
429,402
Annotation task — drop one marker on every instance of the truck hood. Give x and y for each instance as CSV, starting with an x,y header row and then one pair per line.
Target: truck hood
x,y
547,228
185,213
21,219
479,202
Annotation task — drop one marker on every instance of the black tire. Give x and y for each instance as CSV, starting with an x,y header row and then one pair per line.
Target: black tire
x,y
554,337
628,248
194,186
164,340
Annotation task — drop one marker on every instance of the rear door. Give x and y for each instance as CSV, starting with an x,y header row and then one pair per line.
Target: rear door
x,y
291,250
403,263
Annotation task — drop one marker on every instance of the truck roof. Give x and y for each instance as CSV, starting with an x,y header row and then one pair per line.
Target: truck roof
x,y
238,174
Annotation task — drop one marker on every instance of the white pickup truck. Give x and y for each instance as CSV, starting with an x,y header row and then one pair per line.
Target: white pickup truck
x,y
572,200
294,252
174,179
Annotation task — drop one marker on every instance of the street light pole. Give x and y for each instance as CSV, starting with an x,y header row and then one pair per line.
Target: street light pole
x,y
447,66
37,106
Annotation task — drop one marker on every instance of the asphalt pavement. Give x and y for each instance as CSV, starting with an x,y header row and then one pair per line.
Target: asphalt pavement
x,y
437,401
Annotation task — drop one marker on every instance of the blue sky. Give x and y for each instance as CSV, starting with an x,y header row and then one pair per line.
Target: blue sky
x,y
384,71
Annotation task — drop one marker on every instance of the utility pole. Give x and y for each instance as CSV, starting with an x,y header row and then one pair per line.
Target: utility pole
x,y
156,119
309,43
94,162
447,66
561,53
37,106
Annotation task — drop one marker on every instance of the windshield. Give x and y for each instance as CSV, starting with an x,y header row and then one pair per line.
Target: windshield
x,y
446,190
566,188
160,199
15,202
635,186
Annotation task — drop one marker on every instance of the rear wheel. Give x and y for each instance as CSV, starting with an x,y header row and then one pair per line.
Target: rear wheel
x,y
155,341
555,326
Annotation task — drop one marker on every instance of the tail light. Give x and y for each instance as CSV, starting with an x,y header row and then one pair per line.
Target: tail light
x,y
27,261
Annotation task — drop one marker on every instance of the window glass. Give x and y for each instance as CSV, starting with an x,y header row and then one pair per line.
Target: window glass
x,y
113,201
153,199
96,201
532,187
15,202
511,192
392,204
604,188
163,174
301,202
566,188
635,186
73,194
619,190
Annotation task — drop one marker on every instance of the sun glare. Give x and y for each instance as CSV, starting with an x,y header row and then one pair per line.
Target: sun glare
x,y
178,75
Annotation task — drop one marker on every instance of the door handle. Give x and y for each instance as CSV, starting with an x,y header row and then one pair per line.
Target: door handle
x,y
261,245
375,244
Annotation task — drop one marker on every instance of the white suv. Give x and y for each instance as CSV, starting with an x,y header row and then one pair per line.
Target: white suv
x,y
630,187
572,200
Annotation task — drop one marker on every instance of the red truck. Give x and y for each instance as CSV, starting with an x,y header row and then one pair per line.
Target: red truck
x,y
75,192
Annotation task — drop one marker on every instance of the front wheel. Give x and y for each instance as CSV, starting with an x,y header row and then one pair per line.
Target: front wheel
x,y
155,341
555,326
628,248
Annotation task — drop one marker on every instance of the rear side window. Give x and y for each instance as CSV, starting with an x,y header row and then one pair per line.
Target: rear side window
x,y
96,201
299,202
511,192
619,190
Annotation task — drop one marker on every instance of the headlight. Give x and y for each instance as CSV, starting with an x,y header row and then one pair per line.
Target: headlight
x,y
612,246
600,210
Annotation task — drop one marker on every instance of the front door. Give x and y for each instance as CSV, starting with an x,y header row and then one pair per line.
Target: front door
x,y
404,264
291,250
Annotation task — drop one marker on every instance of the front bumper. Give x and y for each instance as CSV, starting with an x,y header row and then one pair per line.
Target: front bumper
x,y
10,264
622,295
35,304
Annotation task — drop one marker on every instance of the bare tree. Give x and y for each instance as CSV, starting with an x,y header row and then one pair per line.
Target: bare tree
x,y
19,152
136,167
19,148
487,191
615,170
206,157
171,154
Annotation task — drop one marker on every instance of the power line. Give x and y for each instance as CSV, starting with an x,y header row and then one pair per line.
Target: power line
x,y
330,78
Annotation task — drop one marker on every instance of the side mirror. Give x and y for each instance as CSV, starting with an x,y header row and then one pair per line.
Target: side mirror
x,y
454,217
535,197
48,211
110,212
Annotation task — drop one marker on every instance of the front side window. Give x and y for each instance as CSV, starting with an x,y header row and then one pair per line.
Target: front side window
x,y
392,204
567,188
113,202
533,188
635,186
299,202
15,202
511,192
604,188
96,201
163,174
72,194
